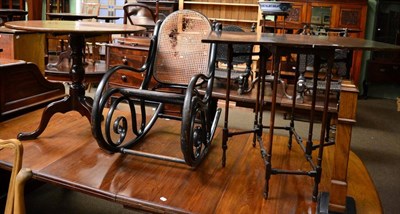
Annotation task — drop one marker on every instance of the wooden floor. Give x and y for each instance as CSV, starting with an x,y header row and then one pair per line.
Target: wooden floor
x,y
66,154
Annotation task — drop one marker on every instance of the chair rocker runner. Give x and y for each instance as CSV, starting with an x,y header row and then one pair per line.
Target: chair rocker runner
x,y
178,62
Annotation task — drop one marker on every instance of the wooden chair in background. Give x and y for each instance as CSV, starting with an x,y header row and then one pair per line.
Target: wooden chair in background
x,y
93,43
241,71
15,196
90,8
141,15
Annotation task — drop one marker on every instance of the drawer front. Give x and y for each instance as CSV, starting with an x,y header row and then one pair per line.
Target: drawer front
x,y
127,79
7,44
124,56
130,57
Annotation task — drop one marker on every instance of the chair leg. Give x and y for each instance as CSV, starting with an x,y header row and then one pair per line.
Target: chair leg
x,y
23,176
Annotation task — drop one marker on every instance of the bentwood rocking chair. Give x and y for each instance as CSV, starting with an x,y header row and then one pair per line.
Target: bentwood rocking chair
x,y
180,64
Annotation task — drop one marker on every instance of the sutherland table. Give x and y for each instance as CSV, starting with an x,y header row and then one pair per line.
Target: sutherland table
x,y
77,32
321,47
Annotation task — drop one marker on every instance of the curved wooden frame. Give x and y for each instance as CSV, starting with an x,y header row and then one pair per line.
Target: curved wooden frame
x,y
15,195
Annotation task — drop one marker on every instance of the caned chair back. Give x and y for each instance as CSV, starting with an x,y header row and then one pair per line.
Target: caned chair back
x,y
180,53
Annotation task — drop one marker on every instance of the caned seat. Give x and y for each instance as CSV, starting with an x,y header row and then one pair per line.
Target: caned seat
x,y
177,65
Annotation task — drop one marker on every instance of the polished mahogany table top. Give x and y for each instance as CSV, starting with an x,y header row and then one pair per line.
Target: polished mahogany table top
x,y
76,27
67,155
298,41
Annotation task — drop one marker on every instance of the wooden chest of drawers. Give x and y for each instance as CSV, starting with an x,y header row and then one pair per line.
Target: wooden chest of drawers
x,y
133,56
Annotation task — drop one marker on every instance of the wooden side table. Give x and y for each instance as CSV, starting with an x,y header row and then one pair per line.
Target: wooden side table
x,y
76,100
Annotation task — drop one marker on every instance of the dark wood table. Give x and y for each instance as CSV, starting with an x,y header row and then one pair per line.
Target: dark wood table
x,y
282,45
68,156
77,30
10,13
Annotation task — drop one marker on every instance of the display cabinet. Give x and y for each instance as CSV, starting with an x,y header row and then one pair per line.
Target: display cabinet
x,y
57,6
339,16
12,4
335,15
243,13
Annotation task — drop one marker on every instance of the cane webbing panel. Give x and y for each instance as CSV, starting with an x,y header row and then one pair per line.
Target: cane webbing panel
x,y
180,52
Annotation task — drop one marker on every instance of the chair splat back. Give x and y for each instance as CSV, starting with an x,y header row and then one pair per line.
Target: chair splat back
x,y
90,8
180,53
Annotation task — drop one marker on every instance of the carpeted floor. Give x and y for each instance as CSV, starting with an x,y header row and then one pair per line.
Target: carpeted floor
x,y
375,139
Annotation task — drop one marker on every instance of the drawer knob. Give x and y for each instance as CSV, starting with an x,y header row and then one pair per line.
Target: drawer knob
x,y
124,78
125,61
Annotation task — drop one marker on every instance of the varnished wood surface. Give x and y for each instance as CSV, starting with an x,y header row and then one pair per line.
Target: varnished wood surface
x,y
66,154
299,41
60,26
